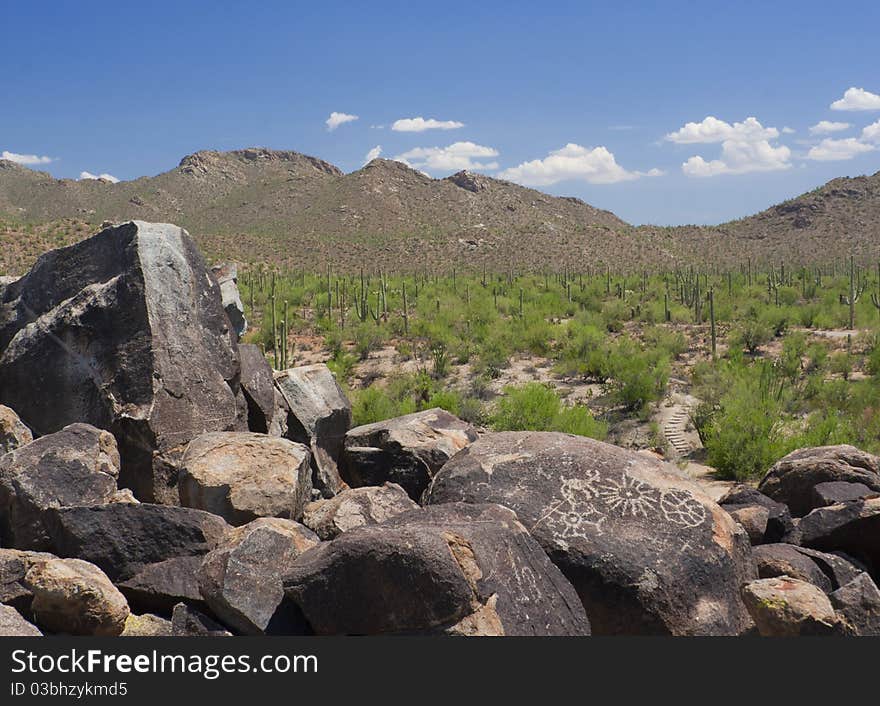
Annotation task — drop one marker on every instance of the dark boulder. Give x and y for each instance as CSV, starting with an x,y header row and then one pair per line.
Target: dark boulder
x,y
792,478
186,621
258,387
646,549
858,602
241,578
157,588
852,527
459,569
320,415
132,338
78,465
825,494
123,539
407,450
775,560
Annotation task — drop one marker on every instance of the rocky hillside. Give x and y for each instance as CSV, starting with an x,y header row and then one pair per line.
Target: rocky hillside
x,y
157,477
291,209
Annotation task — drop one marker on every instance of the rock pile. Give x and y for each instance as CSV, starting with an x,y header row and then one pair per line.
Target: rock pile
x,y
157,477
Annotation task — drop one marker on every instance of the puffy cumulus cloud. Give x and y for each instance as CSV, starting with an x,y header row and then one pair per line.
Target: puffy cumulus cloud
x,y
102,177
421,124
454,158
337,119
830,150
740,157
872,132
824,127
857,99
373,154
26,159
595,166
711,130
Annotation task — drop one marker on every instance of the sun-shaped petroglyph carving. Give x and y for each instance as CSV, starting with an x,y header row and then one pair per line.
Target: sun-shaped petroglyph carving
x,y
629,496
682,508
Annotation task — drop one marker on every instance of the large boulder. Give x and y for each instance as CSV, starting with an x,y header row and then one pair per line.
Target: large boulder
x,y
75,597
146,625
242,476
355,507
852,527
792,478
13,625
241,579
825,494
125,331
461,569
646,549
226,276
13,432
123,539
320,414
858,602
78,465
258,387
788,607
406,450
775,560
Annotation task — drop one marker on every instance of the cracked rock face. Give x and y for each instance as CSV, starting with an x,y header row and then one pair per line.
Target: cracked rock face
x,y
13,432
455,569
646,549
356,507
125,331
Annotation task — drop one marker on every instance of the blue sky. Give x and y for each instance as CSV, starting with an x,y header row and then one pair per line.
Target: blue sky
x,y
575,98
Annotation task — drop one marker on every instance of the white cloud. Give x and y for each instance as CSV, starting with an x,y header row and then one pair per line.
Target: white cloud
x,y
788,130
595,166
421,124
740,157
823,127
711,130
455,157
105,177
27,159
373,154
872,132
838,150
337,119
857,99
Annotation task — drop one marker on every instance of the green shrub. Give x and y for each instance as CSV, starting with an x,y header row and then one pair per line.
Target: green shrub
x,y
537,407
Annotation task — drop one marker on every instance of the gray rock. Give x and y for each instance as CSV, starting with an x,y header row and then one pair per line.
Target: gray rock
x,y
186,621
122,539
75,597
859,603
13,432
320,415
355,507
852,527
752,518
791,479
646,549
458,568
242,476
13,625
258,386
157,588
78,465
241,578
774,560
407,450
779,520
226,276
825,494
14,565
127,331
